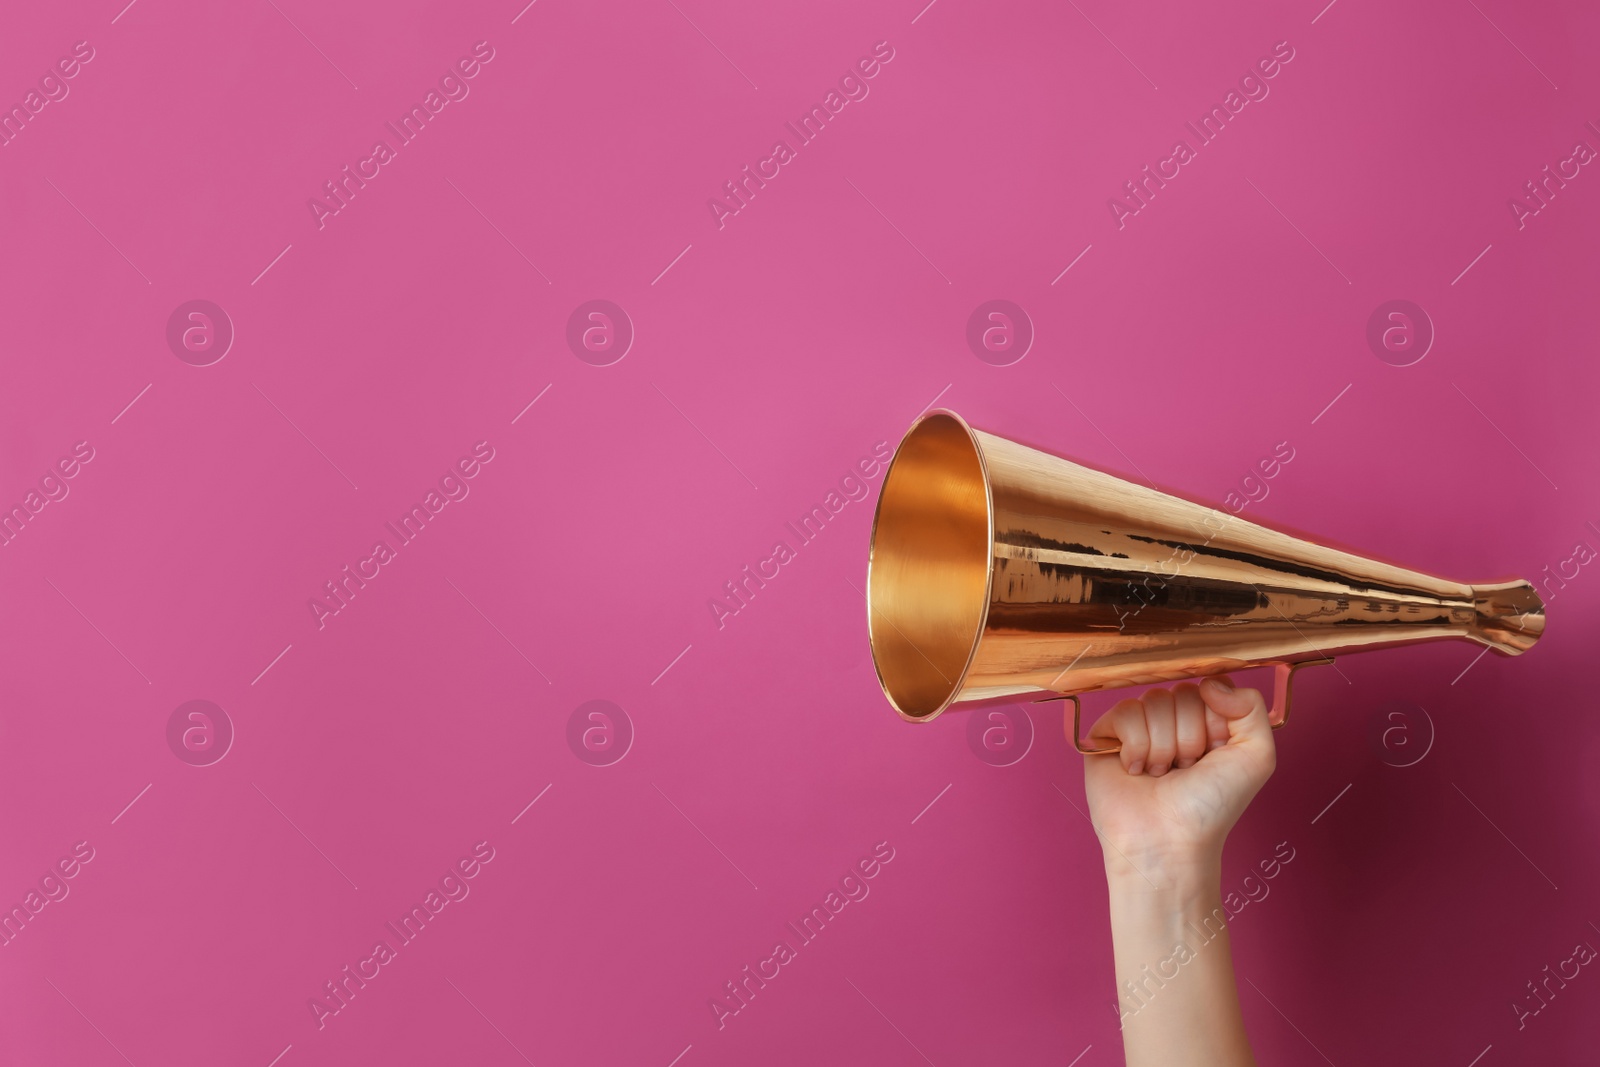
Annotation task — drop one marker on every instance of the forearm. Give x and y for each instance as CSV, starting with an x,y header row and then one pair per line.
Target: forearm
x,y
1175,983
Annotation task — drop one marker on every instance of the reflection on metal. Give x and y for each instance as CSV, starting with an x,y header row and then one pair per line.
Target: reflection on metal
x,y
998,572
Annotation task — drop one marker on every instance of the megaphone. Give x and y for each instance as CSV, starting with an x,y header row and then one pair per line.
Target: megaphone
x,y
998,572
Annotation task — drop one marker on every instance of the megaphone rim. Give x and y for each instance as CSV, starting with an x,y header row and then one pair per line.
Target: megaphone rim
x,y
955,686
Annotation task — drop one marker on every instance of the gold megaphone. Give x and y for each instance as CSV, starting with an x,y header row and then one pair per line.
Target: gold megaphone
x,y
999,572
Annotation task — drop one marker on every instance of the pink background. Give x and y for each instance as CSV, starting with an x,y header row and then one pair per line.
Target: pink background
x,y
770,356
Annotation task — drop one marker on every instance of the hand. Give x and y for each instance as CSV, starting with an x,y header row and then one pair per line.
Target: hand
x,y
1192,759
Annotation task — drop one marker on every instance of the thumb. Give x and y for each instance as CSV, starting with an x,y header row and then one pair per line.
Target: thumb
x,y
1243,710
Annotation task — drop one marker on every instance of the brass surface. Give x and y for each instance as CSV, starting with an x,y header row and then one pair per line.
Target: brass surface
x,y
999,573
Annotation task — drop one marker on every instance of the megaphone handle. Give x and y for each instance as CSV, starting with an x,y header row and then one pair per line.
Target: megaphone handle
x,y
1283,681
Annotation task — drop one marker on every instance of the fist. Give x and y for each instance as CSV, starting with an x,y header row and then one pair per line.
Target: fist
x,y
1192,759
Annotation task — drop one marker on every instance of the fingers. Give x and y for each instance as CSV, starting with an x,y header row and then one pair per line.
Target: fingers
x,y
1160,718
1125,722
1190,713
1174,729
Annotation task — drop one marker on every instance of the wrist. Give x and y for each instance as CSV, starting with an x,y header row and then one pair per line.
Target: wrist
x,y
1176,996
1168,903
1187,871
